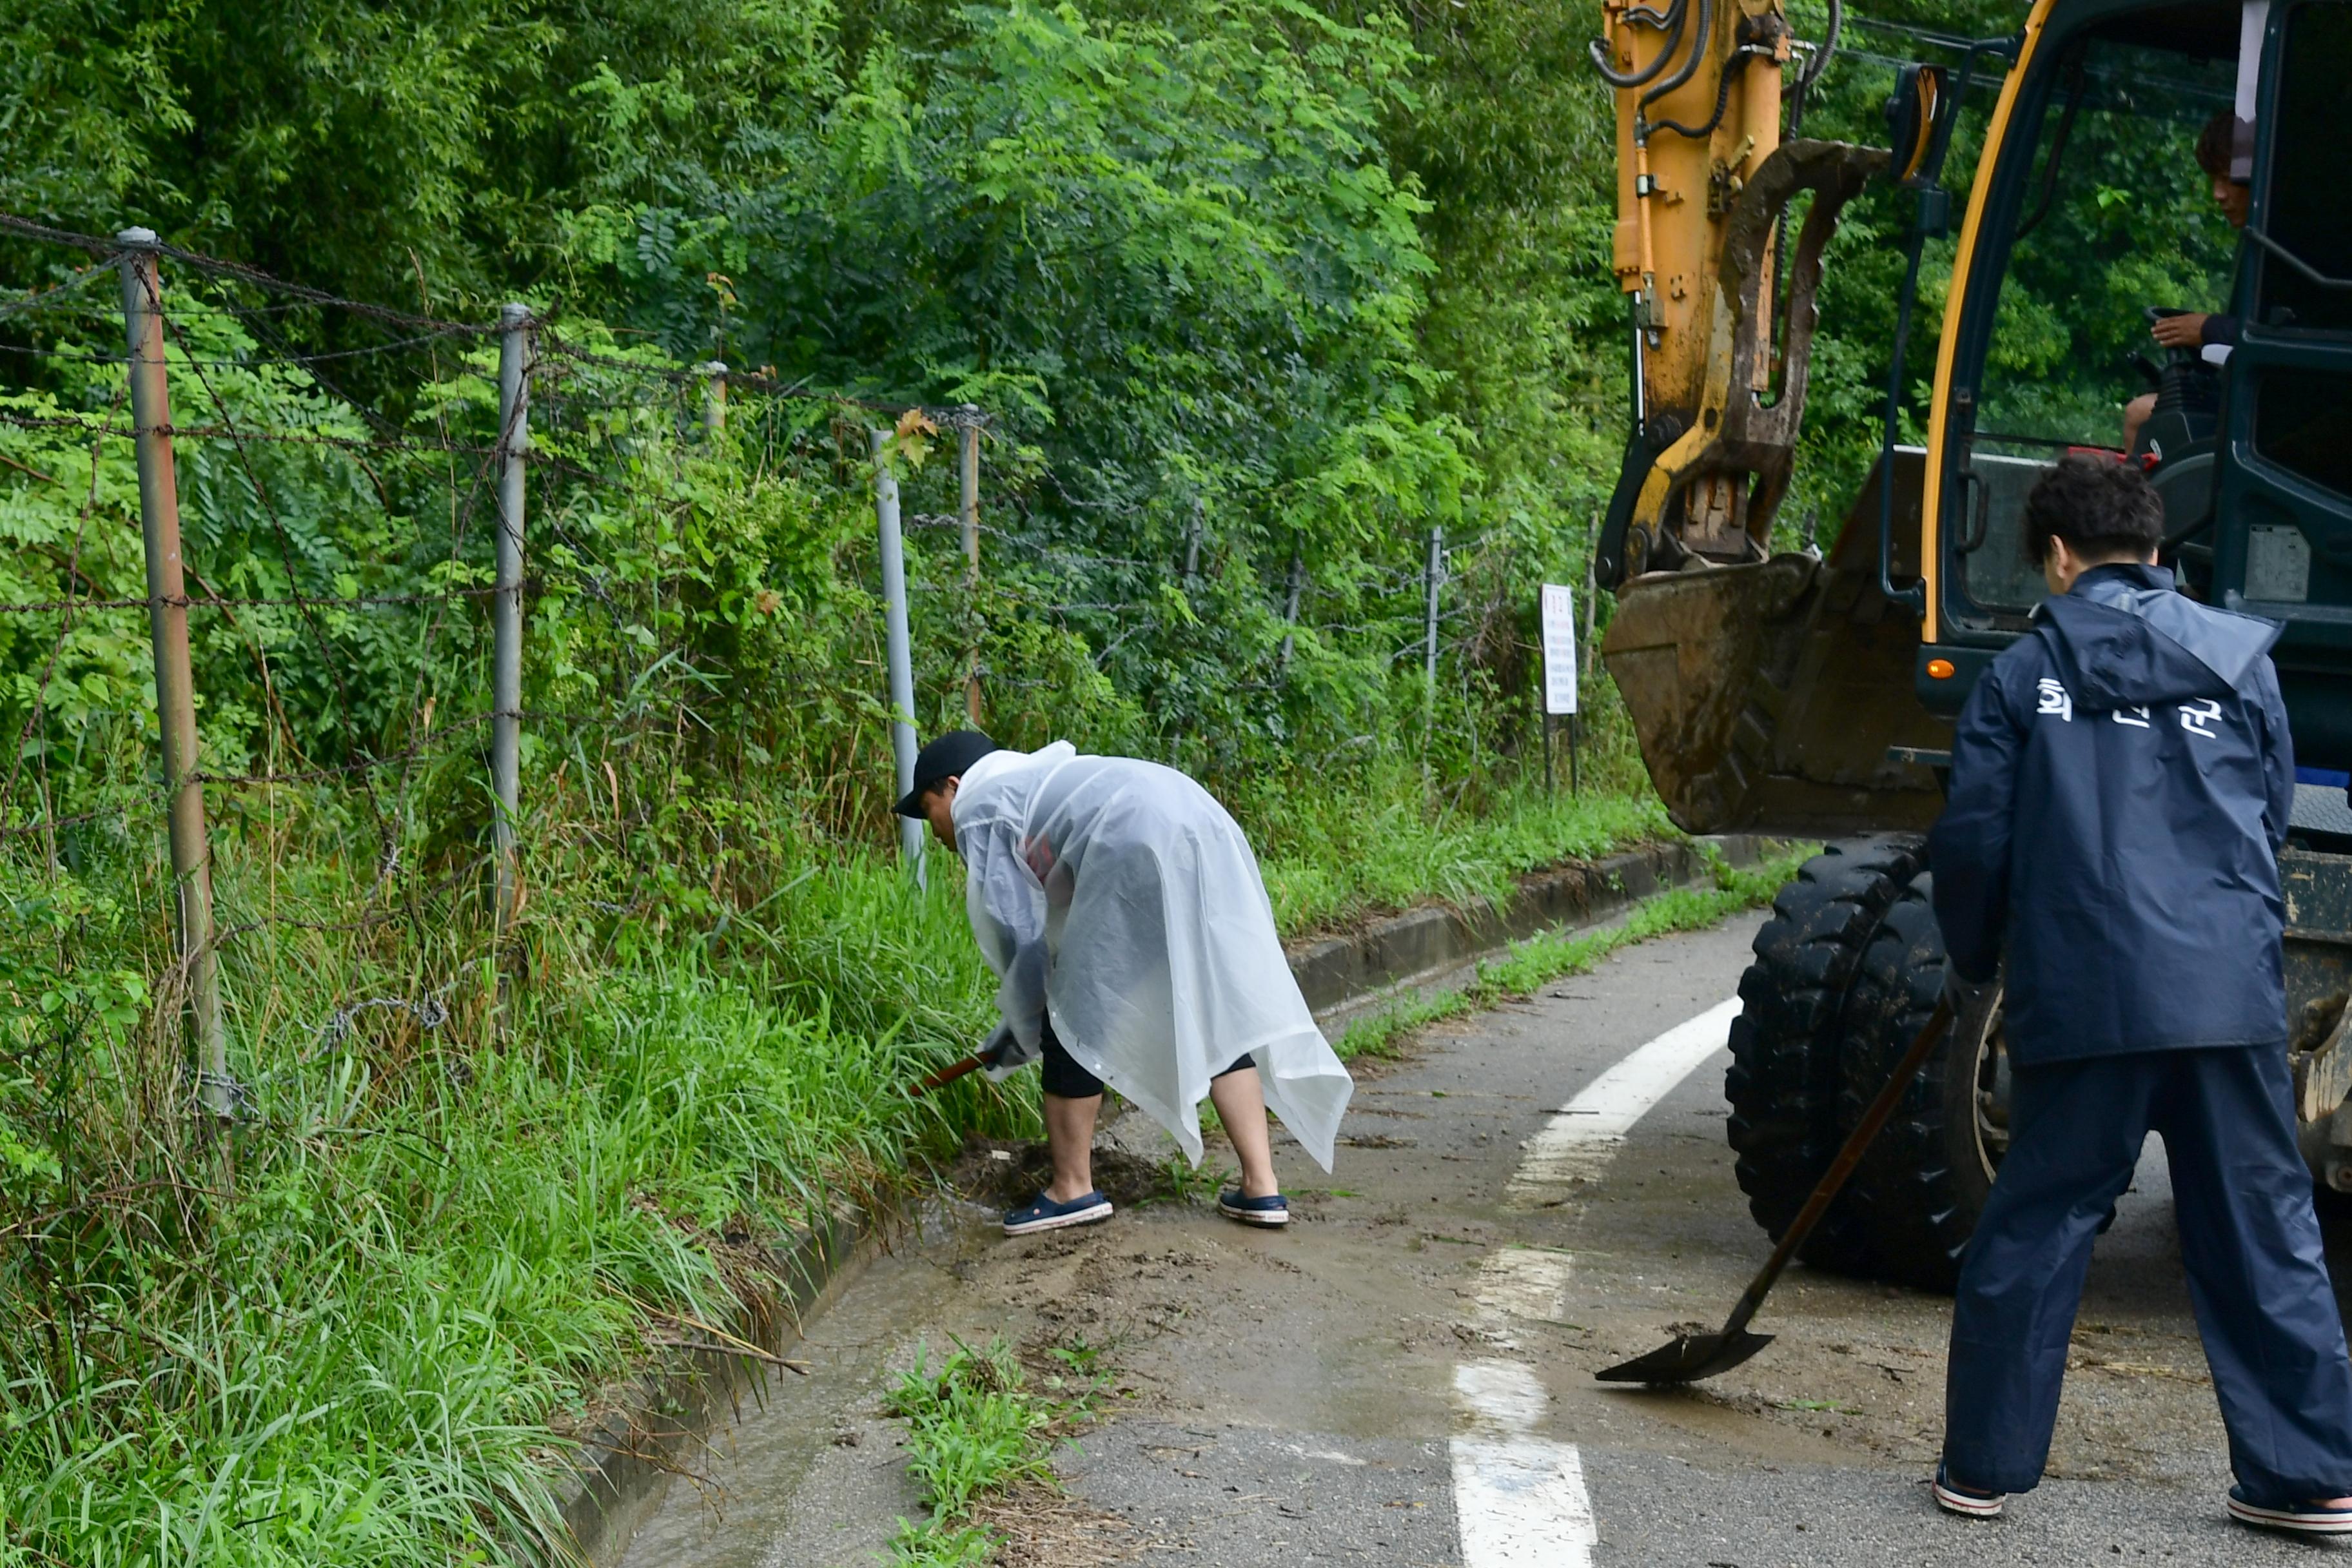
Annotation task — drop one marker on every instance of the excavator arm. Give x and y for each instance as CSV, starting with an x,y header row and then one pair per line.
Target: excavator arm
x,y
1705,182
1763,690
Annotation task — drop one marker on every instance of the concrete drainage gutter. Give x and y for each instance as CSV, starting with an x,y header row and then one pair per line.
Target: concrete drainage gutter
x,y
1348,973
668,1410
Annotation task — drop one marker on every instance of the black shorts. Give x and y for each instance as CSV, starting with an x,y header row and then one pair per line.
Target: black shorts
x,y
1065,1079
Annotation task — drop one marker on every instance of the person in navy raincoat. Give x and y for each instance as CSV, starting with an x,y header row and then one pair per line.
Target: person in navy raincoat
x,y
2121,779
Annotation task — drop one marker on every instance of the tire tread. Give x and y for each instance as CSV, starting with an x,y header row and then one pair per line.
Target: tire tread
x,y
1785,1083
1914,1194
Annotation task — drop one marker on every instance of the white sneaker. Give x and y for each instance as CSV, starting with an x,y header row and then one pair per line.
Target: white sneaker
x,y
1967,1502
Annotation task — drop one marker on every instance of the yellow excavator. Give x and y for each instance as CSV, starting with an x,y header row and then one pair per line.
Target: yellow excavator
x,y
1783,689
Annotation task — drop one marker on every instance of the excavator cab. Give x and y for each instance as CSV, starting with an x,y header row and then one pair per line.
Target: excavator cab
x,y
2249,440
2136,159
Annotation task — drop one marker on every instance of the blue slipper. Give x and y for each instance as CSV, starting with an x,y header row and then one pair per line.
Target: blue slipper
x,y
1045,1214
2299,1517
1269,1211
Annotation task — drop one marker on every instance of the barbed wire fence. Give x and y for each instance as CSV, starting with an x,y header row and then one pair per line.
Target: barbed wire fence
x,y
501,451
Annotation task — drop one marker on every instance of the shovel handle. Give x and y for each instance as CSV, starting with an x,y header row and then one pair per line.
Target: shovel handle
x,y
1939,1024
948,1075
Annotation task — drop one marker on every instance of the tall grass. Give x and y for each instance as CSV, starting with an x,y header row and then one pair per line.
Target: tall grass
x,y
1345,859
1380,837
361,1361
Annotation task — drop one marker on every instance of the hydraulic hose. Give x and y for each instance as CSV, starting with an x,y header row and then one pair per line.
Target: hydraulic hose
x,y
1681,74
1722,97
1669,21
1822,55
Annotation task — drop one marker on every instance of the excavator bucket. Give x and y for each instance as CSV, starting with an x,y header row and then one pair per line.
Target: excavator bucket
x,y
1775,695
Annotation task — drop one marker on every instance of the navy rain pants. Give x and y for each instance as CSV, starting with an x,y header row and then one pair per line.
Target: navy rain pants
x,y
2257,1276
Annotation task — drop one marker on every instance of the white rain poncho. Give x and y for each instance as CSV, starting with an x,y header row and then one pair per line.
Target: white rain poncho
x,y
1118,897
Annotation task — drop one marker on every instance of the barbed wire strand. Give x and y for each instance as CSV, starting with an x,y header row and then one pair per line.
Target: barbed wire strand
x,y
56,294
229,602
223,433
292,357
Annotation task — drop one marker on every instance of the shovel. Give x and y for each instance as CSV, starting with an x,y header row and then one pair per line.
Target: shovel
x,y
1693,1356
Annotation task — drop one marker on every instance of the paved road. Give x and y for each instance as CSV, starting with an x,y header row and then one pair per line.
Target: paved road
x,y
1405,1376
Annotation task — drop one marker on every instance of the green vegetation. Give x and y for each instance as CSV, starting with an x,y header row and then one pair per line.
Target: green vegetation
x,y
1537,961
1331,861
975,1430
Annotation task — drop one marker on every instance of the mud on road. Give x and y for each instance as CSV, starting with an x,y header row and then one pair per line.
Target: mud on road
x,y
1405,1376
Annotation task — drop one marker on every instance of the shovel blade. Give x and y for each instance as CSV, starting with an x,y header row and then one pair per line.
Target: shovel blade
x,y
1688,1359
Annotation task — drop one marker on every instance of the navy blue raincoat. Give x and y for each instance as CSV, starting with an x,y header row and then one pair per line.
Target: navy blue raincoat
x,y
2121,780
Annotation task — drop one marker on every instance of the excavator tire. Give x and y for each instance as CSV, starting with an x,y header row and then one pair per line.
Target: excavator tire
x,y
1785,1083
1923,1179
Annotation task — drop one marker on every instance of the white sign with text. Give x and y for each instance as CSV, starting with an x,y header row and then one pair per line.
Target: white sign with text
x,y
1559,648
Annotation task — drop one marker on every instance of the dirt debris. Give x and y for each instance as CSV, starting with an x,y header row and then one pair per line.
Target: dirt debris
x,y
1039,1526
1004,1173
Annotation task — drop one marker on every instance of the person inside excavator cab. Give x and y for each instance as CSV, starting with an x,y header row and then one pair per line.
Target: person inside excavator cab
x,y
2194,331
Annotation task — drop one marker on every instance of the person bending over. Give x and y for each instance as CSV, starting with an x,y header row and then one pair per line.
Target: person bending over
x,y
2121,780
1134,945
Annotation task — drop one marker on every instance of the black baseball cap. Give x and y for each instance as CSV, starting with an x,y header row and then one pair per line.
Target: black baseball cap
x,y
945,758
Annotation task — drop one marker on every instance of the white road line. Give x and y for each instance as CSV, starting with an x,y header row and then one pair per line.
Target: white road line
x,y
1529,1284
1520,1498
1580,1140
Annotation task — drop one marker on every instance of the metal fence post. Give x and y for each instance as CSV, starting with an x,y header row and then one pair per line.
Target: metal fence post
x,y
506,682
1296,587
1592,594
175,693
968,508
1576,719
714,395
1434,577
894,621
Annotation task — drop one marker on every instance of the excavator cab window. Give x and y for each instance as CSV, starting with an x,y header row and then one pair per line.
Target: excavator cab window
x,y
2303,412
2304,213
2101,220
2279,544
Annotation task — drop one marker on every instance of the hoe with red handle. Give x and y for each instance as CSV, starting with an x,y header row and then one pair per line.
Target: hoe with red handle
x,y
948,1075
1693,1356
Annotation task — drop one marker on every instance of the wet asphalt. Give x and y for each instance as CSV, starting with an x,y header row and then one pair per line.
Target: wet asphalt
x,y
1279,1398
